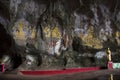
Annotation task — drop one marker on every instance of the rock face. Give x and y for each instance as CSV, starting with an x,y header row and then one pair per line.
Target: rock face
x,y
95,22
57,27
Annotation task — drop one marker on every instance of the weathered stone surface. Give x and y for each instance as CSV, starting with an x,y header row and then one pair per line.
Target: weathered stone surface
x,y
60,27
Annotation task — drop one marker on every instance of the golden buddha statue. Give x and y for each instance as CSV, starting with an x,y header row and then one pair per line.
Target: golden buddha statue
x,y
108,54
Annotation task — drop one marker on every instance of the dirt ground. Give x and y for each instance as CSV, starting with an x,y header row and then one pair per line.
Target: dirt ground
x,y
91,75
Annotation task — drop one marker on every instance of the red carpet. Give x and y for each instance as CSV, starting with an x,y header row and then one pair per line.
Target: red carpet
x,y
55,72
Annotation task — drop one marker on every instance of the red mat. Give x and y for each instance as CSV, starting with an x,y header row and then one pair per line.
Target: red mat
x,y
55,72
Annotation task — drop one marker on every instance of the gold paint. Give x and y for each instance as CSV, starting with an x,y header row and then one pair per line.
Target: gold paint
x,y
111,77
117,37
90,40
91,32
20,34
55,32
33,33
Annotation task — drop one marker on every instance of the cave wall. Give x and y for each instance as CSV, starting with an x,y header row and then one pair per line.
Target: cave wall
x,y
95,22
85,26
89,25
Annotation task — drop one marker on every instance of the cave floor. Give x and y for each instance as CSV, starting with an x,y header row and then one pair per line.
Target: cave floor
x,y
91,75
